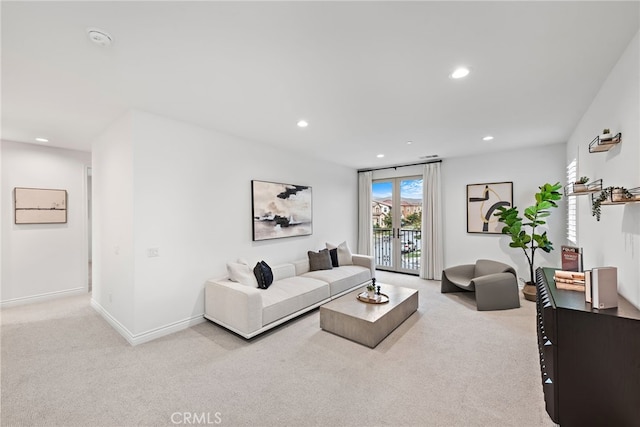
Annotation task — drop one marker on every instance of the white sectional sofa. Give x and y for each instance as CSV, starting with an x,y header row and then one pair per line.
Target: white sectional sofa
x,y
249,311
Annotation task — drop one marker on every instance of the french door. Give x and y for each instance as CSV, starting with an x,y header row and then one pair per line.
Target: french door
x,y
397,221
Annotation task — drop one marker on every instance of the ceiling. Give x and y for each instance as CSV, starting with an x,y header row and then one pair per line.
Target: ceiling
x,y
368,76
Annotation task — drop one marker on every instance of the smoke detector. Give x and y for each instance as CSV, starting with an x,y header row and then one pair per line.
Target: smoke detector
x,y
99,37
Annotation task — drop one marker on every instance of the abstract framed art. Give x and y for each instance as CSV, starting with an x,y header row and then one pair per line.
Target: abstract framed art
x,y
482,202
40,206
280,210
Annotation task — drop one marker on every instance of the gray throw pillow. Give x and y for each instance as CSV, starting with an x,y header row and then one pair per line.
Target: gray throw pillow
x,y
319,260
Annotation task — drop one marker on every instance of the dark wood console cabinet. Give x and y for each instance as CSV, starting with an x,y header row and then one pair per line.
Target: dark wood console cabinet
x,y
589,358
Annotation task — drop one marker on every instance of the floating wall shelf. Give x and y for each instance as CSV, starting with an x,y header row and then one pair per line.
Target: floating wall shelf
x,y
576,189
599,145
618,198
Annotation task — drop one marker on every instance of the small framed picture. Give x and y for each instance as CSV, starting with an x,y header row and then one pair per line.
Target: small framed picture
x,y
40,206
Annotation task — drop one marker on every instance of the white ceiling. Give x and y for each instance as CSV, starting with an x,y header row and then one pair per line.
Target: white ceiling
x,y
368,76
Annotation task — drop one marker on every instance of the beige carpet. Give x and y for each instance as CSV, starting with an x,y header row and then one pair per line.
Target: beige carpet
x,y
447,365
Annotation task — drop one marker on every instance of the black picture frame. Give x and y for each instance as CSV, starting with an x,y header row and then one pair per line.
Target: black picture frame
x,y
482,201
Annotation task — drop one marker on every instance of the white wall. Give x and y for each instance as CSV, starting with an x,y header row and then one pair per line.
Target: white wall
x,y
528,169
192,201
43,260
112,239
615,239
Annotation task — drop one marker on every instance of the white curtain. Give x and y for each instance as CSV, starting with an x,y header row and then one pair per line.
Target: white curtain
x,y
365,233
431,254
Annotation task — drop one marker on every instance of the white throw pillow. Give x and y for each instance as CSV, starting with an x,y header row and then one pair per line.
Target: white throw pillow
x,y
242,274
344,253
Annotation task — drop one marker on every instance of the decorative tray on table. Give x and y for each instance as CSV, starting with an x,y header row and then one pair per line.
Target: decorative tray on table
x,y
381,298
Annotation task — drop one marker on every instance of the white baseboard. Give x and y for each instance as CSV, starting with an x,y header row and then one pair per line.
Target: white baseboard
x,y
135,339
42,297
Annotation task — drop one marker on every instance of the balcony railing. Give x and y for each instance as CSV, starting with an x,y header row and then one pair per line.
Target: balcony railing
x,y
410,245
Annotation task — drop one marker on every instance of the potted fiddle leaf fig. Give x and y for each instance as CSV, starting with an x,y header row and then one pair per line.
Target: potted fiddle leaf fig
x,y
523,232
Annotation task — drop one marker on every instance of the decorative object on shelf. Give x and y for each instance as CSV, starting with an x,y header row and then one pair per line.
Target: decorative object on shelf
x,y
482,202
580,188
40,206
604,142
613,196
530,242
606,134
280,210
580,185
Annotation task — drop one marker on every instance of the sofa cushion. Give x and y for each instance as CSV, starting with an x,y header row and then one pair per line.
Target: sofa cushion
x,y
242,274
487,266
289,295
319,260
341,278
282,271
344,253
301,266
263,274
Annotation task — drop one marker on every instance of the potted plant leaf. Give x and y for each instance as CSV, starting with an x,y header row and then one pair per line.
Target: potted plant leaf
x,y
581,184
523,233
610,194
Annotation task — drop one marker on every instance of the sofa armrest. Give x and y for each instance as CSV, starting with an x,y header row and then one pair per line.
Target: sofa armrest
x,y
365,261
236,306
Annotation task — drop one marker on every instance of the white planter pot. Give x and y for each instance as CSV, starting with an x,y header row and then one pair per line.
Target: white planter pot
x,y
577,188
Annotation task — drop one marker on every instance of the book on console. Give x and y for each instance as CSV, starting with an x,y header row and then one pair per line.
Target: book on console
x,y
570,286
570,280
571,258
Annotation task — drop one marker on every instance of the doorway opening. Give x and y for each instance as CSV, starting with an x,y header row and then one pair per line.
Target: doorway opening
x,y
397,223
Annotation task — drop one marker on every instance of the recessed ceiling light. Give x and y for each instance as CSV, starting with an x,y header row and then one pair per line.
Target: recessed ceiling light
x,y
99,37
380,156
42,140
303,124
487,138
409,142
460,73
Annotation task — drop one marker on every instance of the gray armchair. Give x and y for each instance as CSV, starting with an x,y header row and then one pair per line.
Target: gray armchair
x,y
494,283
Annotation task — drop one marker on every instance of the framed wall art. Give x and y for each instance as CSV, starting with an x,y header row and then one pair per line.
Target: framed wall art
x,y
280,210
40,206
482,202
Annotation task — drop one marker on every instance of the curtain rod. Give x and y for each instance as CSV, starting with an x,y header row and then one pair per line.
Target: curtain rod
x,y
399,166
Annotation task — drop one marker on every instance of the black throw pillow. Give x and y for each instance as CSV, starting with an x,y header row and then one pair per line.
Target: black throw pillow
x,y
263,274
333,253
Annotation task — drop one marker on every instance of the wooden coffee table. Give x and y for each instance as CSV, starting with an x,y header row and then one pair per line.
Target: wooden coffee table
x,y
365,323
